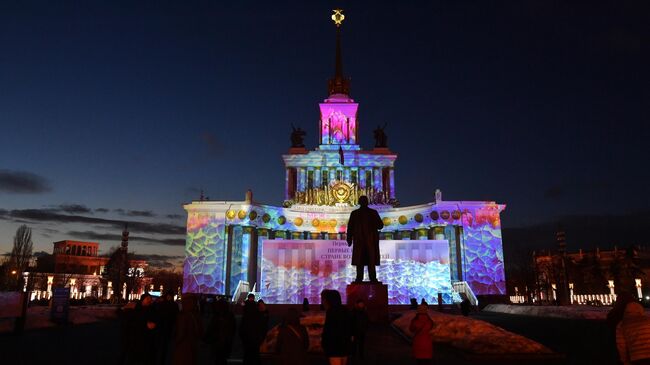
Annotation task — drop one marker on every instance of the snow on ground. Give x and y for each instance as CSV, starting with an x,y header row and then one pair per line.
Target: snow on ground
x,y
39,316
567,312
472,335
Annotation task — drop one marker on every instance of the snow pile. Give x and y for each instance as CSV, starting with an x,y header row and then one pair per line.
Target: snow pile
x,y
473,336
313,321
39,317
567,312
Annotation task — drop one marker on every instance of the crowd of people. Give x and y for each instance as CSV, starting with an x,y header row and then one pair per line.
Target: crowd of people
x,y
159,332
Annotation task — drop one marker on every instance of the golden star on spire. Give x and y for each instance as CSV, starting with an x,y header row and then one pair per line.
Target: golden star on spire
x,y
338,17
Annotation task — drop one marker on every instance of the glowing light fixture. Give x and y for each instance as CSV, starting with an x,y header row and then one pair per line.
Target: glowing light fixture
x,y
338,17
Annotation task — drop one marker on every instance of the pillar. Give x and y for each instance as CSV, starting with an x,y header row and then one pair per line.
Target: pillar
x,y
361,175
302,178
318,180
391,173
229,234
332,173
252,256
346,174
376,180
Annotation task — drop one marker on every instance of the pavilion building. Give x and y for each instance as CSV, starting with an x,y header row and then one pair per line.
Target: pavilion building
x,y
292,251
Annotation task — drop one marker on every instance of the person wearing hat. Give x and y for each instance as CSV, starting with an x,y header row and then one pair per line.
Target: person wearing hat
x,y
421,326
633,336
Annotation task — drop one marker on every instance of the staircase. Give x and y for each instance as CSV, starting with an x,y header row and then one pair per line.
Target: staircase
x,y
465,292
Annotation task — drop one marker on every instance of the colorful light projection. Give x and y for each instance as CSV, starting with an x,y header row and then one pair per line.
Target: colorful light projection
x,y
483,251
338,121
473,236
297,269
205,252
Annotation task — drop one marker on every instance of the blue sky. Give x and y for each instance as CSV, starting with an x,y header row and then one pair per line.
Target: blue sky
x,y
137,106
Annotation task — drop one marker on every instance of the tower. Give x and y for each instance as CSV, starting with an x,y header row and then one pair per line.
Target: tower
x,y
338,113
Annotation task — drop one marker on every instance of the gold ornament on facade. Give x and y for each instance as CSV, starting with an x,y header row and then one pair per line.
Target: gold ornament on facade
x,y
230,214
297,221
340,192
241,214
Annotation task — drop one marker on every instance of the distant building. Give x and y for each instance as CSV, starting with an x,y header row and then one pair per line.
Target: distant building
x,y
591,275
77,264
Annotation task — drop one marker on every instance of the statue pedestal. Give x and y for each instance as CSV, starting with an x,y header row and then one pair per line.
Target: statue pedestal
x,y
375,295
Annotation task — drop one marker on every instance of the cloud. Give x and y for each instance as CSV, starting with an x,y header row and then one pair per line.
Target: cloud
x,y
175,216
140,213
73,208
161,261
135,213
23,182
47,215
90,235
101,210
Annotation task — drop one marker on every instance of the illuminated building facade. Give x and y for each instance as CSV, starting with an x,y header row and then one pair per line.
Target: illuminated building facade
x,y
77,264
295,250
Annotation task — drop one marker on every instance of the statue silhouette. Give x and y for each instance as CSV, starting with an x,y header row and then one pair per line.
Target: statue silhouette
x,y
363,232
297,137
381,140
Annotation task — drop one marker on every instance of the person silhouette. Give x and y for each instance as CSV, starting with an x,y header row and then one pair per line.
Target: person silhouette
x,y
363,232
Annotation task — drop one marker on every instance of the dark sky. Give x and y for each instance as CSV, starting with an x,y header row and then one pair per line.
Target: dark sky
x,y
132,107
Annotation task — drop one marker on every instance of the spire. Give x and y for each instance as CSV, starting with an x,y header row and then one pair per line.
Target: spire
x,y
338,84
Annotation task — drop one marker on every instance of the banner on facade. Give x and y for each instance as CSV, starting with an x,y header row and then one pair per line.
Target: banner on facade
x,y
296,269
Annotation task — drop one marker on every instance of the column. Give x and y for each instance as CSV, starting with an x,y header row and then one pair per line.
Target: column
x,y
302,178
332,175
317,178
346,174
361,175
286,184
229,234
392,182
376,179
252,256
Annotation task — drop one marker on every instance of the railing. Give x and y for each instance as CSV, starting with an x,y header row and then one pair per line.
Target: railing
x,y
462,288
605,299
242,290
